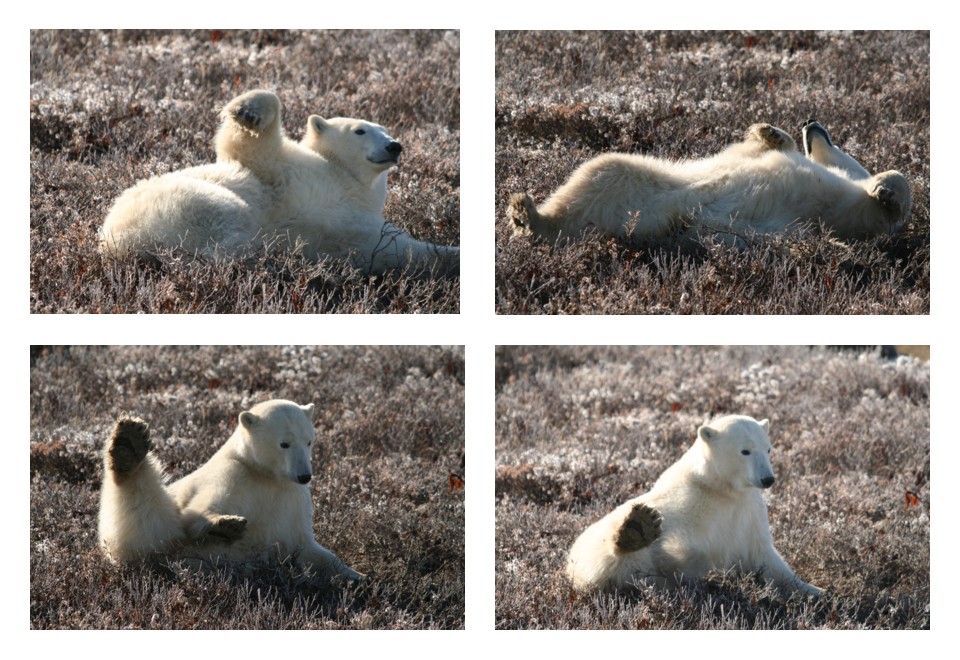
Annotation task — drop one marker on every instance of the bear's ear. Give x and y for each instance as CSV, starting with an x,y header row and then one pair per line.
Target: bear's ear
x,y
707,434
317,124
308,410
248,419
765,425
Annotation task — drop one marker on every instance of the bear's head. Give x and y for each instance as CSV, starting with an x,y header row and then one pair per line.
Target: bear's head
x,y
364,148
277,438
736,451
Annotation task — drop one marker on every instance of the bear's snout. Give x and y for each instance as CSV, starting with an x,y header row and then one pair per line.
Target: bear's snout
x,y
766,482
305,478
394,148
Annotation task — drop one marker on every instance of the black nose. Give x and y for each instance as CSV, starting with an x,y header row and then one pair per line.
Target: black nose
x,y
304,478
394,148
766,482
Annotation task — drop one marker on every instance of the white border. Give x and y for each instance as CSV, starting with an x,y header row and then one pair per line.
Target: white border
x,y
479,329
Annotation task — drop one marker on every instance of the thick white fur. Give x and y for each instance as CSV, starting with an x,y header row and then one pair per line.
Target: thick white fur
x,y
325,194
252,476
713,518
761,185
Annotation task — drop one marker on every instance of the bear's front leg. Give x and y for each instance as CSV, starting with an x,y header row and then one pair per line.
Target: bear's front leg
x,y
204,528
640,528
819,147
327,563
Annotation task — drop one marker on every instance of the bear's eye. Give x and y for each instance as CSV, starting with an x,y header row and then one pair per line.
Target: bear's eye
x,y
285,445
745,452
360,131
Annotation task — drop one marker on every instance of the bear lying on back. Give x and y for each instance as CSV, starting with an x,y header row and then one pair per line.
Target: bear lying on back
x,y
761,185
250,501
704,513
325,195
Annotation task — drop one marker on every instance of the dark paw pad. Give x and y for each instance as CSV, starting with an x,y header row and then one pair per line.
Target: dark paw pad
x,y
128,445
247,117
640,529
885,195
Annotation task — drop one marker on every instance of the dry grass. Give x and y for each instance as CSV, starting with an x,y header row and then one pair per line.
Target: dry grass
x,y
563,98
580,430
391,433
110,108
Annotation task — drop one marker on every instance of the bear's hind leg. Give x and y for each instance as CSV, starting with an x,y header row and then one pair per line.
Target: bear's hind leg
x,y
212,528
327,563
640,528
526,220
253,111
770,138
137,514
250,132
227,529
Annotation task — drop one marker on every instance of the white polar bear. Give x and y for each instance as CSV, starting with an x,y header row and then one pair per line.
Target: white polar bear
x,y
250,501
324,195
704,513
761,185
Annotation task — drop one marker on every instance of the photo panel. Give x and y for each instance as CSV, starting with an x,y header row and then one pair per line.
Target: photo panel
x,y
247,487
712,487
290,171
712,172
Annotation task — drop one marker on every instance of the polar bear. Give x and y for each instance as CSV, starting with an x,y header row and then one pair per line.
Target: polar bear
x,y
250,501
704,513
759,186
324,195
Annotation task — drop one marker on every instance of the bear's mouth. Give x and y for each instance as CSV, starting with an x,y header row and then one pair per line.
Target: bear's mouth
x,y
383,161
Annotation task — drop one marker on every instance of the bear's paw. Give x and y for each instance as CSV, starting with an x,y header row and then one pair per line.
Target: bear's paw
x,y
639,530
128,445
227,529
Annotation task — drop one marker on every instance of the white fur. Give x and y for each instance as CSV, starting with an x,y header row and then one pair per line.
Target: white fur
x,y
761,185
713,518
326,194
253,475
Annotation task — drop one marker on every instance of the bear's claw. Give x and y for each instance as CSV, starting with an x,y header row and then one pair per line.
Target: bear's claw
x,y
640,529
